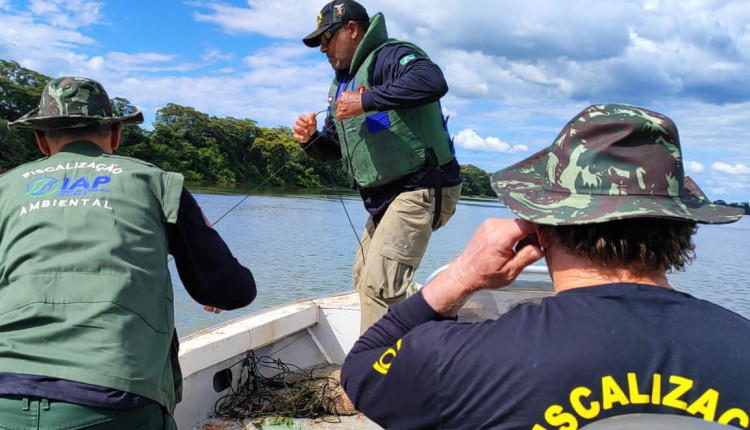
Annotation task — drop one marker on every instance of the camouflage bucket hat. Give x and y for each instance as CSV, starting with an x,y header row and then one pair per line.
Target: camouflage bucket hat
x,y
72,102
609,162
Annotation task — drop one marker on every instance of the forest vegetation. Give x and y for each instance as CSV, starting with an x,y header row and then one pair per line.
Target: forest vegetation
x,y
201,147
185,140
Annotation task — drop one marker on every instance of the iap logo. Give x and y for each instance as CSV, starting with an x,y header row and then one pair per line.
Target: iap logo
x,y
42,187
45,186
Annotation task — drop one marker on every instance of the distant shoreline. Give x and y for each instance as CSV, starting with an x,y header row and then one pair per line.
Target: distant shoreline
x,y
236,186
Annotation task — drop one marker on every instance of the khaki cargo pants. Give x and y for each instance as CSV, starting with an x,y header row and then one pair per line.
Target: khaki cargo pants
x,y
390,252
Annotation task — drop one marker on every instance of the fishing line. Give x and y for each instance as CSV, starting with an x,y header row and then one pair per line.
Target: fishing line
x,y
272,175
359,241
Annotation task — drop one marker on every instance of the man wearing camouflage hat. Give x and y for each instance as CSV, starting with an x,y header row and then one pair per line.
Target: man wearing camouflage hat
x,y
86,301
609,207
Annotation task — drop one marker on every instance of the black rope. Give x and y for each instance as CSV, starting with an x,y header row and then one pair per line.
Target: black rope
x,y
290,392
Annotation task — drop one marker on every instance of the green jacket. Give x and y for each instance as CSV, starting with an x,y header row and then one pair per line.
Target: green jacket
x,y
380,147
85,292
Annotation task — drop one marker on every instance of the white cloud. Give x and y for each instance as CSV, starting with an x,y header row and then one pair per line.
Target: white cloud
x,y
215,54
624,51
96,63
735,187
145,61
581,49
516,71
67,13
291,19
694,167
717,191
737,169
43,7
20,32
49,41
466,81
244,93
469,139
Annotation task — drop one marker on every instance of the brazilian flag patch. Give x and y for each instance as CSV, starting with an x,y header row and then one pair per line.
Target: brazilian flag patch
x,y
404,61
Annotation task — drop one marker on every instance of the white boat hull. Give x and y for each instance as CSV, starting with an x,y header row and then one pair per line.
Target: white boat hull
x,y
308,334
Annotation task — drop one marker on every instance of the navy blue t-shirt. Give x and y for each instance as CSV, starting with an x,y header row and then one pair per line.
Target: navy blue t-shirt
x,y
580,356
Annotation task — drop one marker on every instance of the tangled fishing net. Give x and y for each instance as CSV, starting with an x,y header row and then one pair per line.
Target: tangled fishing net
x,y
289,392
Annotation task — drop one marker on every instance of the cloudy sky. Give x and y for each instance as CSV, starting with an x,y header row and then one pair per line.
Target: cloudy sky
x,y
517,71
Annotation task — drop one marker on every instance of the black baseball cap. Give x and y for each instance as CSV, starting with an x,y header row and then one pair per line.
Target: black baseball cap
x,y
333,13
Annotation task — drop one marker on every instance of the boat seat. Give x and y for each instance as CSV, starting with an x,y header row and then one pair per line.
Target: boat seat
x,y
654,421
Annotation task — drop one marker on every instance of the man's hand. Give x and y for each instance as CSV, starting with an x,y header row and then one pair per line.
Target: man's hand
x,y
304,128
349,105
488,262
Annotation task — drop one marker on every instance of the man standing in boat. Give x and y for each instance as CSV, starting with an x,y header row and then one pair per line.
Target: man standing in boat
x,y
609,206
86,301
385,122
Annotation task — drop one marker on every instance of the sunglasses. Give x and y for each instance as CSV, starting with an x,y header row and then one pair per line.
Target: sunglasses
x,y
326,37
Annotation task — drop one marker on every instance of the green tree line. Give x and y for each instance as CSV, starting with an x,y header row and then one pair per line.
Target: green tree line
x,y
201,147
184,140
743,205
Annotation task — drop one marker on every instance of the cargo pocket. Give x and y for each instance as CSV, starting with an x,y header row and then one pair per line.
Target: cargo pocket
x,y
399,243
406,227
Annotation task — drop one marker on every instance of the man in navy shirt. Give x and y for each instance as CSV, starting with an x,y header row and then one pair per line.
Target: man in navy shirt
x,y
610,208
385,122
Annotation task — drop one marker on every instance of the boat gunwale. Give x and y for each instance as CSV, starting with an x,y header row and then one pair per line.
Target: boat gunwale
x,y
313,301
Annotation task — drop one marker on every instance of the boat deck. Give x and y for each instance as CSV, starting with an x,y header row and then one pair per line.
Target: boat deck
x,y
354,422
298,347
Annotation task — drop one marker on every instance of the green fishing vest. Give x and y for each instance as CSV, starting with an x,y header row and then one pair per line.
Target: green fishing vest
x,y
380,147
85,292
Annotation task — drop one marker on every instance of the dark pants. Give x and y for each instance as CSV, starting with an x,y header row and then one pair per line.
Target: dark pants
x,y
31,413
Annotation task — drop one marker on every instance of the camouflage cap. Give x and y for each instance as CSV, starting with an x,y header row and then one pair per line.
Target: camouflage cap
x,y
609,162
71,102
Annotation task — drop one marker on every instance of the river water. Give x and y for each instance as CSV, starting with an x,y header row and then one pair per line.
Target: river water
x,y
302,245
